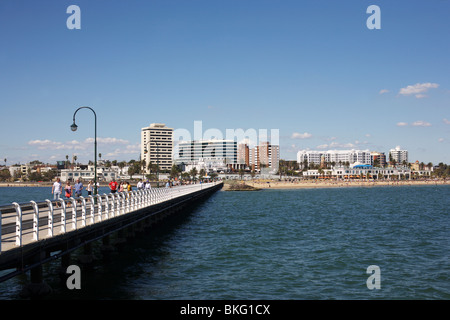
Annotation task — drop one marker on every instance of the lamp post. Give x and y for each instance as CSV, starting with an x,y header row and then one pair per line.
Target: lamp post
x,y
74,127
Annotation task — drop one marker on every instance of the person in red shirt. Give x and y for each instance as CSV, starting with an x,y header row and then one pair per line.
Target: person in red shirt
x,y
113,186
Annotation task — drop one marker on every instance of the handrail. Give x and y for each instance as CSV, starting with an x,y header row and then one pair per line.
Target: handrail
x,y
108,206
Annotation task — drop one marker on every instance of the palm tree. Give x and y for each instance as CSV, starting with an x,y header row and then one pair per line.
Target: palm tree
x,y
321,172
174,172
193,173
241,173
202,173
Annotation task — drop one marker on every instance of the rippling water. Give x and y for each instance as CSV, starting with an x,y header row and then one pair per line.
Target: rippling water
x,y
284,244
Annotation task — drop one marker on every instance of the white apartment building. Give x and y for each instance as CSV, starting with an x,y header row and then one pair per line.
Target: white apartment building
x,y
157,146
399,155
336,156
207,150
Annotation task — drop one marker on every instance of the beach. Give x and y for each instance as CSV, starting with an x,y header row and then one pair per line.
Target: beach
x,y
311,184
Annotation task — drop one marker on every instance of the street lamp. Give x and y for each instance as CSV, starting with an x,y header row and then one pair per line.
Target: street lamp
x,y
74,127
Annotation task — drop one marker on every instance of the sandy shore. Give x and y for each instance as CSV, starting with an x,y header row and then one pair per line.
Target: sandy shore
x,y
339,184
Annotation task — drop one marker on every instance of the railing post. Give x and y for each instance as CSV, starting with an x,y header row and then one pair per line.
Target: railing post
x,y
99,206
35,221
113,204
63,216
107,206
74,213
91,215
123,203
18,224
83,211
117,204
50,218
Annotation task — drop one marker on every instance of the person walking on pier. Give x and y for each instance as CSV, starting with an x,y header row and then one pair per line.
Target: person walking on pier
x,y
68,191
78,188
89,188
56,190
113,186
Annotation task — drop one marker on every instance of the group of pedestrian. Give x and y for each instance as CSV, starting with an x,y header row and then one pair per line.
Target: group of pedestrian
x,y
141,185
114,186
69,191
77,189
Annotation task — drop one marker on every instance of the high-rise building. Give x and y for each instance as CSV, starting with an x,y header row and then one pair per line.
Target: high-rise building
x,y
398,155
265,156
217,150
378,158
157,145
243,154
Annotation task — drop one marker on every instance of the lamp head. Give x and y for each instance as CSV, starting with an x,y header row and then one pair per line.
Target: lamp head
x,y
73,127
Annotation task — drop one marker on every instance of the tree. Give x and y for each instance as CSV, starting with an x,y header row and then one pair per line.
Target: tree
x,y
213,175
121,165
321,172
202,173
193,173
174,172
5,175
241,173
185,176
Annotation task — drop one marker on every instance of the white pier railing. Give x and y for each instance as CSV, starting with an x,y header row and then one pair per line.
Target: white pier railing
x,y
24,223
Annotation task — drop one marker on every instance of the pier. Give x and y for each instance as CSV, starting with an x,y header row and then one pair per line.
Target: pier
x,y
34,233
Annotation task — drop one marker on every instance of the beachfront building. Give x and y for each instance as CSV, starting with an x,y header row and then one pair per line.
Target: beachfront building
x,y
378,159
269,156
334,156
207,150
157,146
265,156
243,156
87,173
398,155
360,171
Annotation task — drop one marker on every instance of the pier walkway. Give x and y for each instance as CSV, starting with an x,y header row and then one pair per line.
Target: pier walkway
x,y
31,233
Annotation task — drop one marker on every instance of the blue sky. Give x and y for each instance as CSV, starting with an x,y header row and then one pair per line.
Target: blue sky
x,y
311,69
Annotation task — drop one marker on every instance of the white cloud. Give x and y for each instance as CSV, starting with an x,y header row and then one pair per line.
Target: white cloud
x,y
401,124
337,145
75,144
383,91
446,121
421,123
418,89
297,135
441,139
128,150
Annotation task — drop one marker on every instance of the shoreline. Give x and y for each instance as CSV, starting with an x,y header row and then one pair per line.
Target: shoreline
x,y
267,185
341,184
271,184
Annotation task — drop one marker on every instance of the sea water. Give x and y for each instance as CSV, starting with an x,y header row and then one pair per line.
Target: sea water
x,y
280,244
